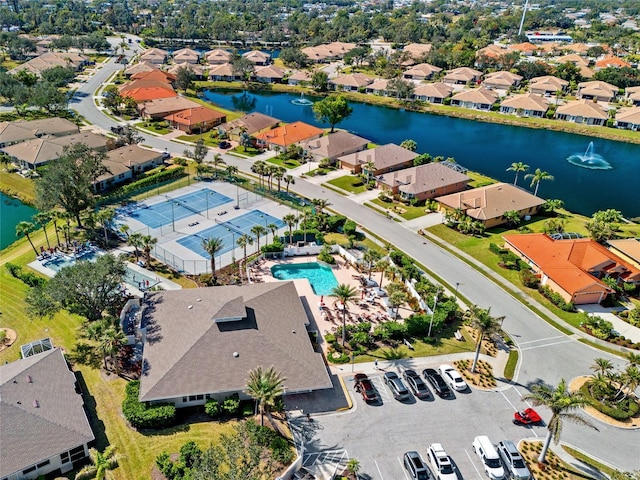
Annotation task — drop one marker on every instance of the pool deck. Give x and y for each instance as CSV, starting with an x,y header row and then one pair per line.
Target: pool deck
x,y
326,319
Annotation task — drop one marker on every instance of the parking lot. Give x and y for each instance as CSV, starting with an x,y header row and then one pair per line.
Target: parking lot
x,y
378,434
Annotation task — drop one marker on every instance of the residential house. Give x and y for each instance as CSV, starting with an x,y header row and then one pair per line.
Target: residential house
x,y
328,52
527,49
423,182
145,94
582,111
196,119
44,424
251,124
202,343
489,204
145,86
547,85
223,73
628,119
633,95
574,58
301,77
379,160
491,55
217,57
186,55
462,76
417,51
525,105
49,60
39,151
611,61
501,80
476,99
22,130
351,82
124,163
286,135
579,48
140,67
573,268
628,249
154,56
157,75
161,107
597,90
197,71
334,145
257,57
269,74
433,92
422,71
378,87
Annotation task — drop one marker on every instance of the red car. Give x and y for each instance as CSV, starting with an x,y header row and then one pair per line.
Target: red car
x,y
527,417
364,386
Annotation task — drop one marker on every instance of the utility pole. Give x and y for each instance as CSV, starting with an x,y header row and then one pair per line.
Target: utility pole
x,y
524,12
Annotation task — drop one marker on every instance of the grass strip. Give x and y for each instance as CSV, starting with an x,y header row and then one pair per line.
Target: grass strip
x,y
512,362
589,461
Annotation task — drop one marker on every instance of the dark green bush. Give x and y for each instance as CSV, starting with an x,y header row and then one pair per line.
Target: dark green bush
x,y
29,278
281,450
349,228
144,415
496,249
274,247
556,299
529,279
334,222
147,181
190,454
212,407
231,404
620,411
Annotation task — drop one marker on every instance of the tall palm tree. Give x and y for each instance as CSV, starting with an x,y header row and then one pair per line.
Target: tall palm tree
x,y
104,217
481,320
25,228
602,366
147,244
243,241
135,240
110,342
231,171
265,386
101,464
290,220
258,230
320,204
259,168
633,359
289,180
217,161
273,228
279,175
55,216
371,257
383,267
563,403
395,300
124,228
42,218
517,167
345,294
537,177
629,380
304,218
212,246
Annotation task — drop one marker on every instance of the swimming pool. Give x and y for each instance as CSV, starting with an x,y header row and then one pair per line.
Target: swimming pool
x,y
320,276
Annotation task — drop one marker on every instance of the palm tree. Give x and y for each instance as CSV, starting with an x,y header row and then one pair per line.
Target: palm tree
x,y
345,294
371,257
353,466
217,161
273,228
512,217
42,218
562,403
602,366
124,228
55,216
320,204
104,217
258,230
135,240
395,300
259,168
303,218
101,464
148,242
279,175
110,342
289,180
230,171
633,359
629,381
537,177
265,386
290,220
517,167
383,267
481,320
243,241
212,246
25,228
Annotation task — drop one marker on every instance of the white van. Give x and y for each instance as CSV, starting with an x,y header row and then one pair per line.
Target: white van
x,y
489,457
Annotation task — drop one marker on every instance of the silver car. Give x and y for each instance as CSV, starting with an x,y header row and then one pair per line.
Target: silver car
x,y
514,464
396,385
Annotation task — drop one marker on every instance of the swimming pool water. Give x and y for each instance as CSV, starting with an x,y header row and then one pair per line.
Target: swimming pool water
x,y
320,277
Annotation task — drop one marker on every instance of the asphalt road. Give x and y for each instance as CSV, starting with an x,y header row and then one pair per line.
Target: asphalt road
x,y
546,354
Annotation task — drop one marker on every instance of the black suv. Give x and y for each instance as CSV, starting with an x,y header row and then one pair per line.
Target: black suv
x,y
415,383
416,467
437,382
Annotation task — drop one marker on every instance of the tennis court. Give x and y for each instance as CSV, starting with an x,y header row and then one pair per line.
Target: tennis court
x,y
177,208
229,231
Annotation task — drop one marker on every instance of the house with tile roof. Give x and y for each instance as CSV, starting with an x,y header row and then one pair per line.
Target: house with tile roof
x,y
251,123
574,58
161,107
301,77
611,61
433,92
257,57
223,73
145,94
154,56
597,90
547,85
124,163
573,268
351,82
417,50
462,76
160,76
328,52
44,425
491,51
217,56
582,111
202,343
49,60
334,145
423,182
628,119
378,87
269,74
489,204
186,55
476,99
525,105
289,134
22,130
626,248
421,71
501,80
196,119
379,160
197,71
525,48
140,67
632,94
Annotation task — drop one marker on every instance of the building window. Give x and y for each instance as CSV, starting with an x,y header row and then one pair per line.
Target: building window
x,y
199,397
192,398
43,464
184,399
64,458
121,176
28,470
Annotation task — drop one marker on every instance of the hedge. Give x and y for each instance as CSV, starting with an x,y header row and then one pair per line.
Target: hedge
x,y
614,412
144,415
148,181
29,278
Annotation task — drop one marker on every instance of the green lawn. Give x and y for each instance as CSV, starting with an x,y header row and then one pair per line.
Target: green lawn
x,y
409,212
247,152
15,185
479,180
156,127
287,163
349,183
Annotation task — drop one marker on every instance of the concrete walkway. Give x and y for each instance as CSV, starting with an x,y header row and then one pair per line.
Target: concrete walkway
x,y
623,328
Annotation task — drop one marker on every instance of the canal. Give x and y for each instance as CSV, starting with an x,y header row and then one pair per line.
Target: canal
x,y
12,212
482,147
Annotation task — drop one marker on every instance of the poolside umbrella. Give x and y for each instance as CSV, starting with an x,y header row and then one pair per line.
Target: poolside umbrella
x,y
321,298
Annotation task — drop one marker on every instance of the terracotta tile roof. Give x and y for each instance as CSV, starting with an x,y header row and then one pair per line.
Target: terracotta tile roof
x,y
154,75
145,94
424,178
583,108
290,134
357,80
629,115
197,352
527,101
195,116
491,51
612,61
526,47
386,156
433,90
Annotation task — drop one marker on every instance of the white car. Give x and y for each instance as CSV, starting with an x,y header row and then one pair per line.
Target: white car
x,y
453,378
441,462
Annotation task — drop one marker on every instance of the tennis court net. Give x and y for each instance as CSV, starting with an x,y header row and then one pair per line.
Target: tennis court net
x,y
183,204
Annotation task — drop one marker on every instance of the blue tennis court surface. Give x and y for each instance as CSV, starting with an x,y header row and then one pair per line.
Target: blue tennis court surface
x,y
177,208
228,231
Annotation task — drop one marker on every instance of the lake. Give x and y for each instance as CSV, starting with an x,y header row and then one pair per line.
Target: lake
x,y
482,147
12,212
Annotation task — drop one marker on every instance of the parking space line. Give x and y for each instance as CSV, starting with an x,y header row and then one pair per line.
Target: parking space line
x,y
542,340
473,464
403,469
379,472
508,401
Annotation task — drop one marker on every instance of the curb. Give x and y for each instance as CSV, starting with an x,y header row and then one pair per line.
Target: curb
x,y
346,395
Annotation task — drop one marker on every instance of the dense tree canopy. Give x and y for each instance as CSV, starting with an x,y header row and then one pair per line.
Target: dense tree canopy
x,y
332,110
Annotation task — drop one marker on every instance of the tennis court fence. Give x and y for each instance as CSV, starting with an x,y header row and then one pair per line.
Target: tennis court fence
x,y
190,267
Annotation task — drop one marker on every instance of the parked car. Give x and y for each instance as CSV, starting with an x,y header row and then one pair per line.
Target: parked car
x,y
364,386
416,467
437,382
224,145
396,385
416,384
515,466
453,378
441,463
483,447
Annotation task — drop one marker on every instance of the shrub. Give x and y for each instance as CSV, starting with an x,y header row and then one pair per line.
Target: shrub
x,y
29,278
231,404
212,407
529,279
274,247
190,454
326,257
280,450
349,228
556,299
334,222
496,249
144,415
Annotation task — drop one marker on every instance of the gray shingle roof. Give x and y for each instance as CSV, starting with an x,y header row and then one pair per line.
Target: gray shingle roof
x,y
386,156
335,144
30,433
188,353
